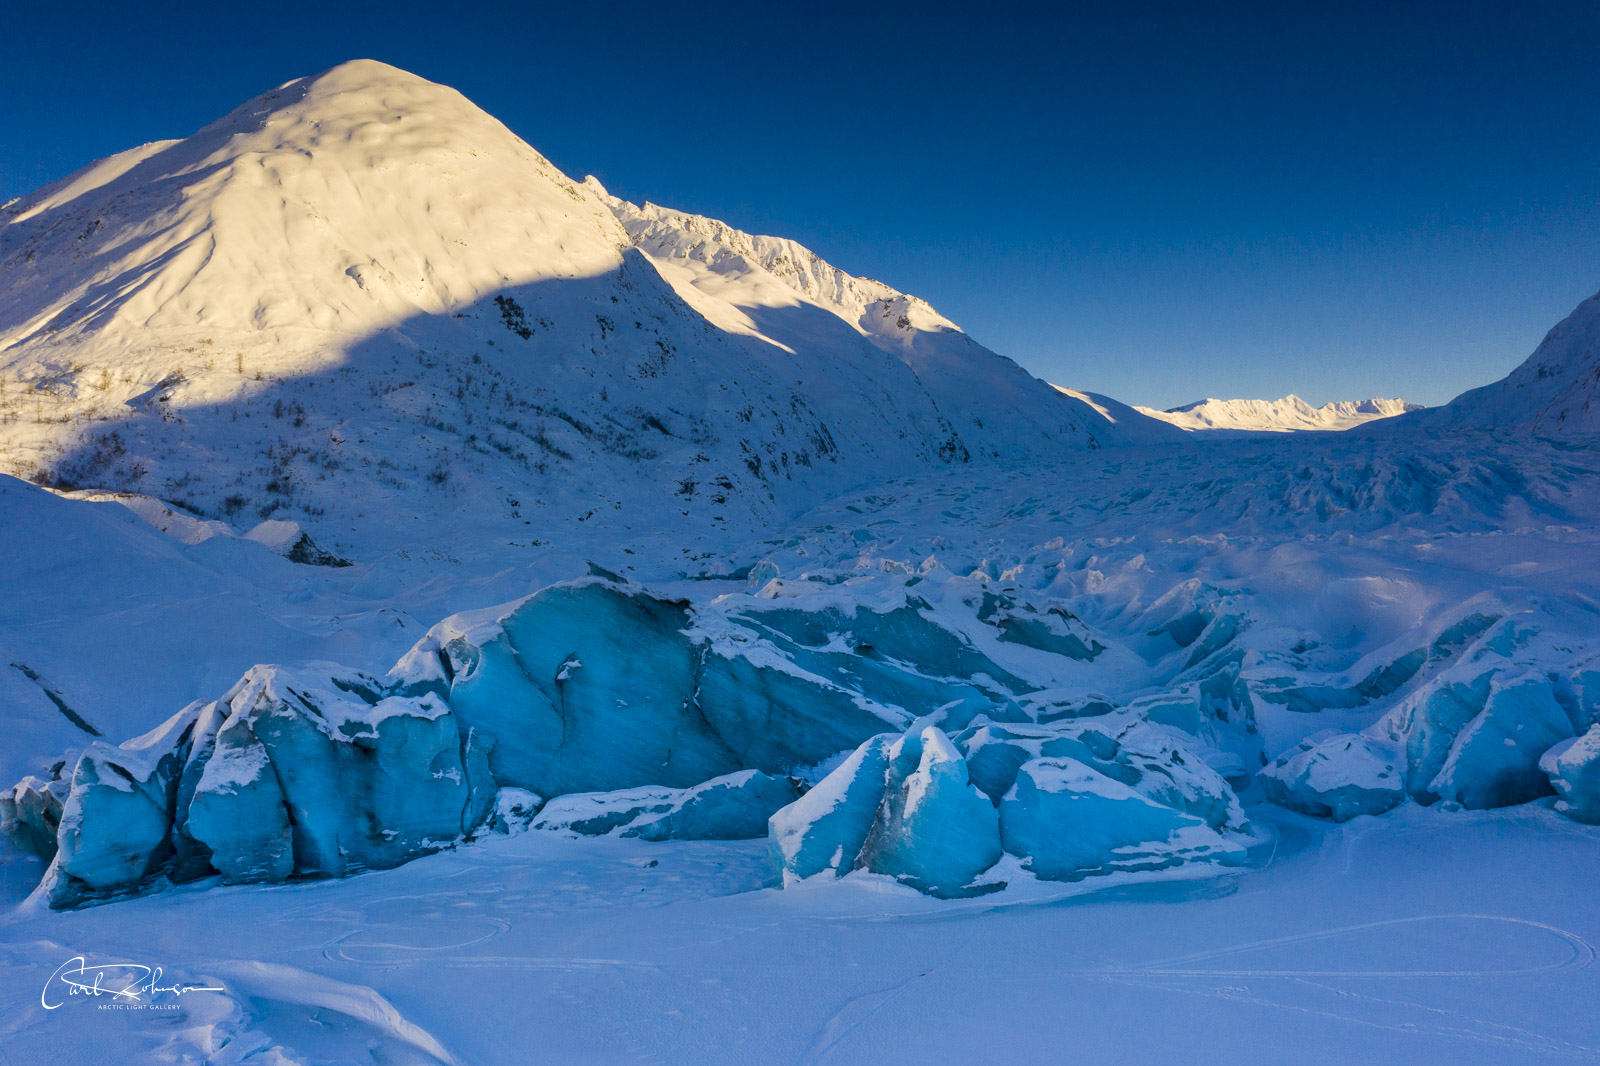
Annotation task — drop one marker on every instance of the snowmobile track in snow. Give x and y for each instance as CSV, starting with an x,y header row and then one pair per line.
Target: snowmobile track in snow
x,y
1582,953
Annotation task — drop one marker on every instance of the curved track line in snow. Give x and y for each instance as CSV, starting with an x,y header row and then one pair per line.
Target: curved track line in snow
x,y
1476,1028
858,1009
391,954
1581,953
1470,1027
849,1017
384,952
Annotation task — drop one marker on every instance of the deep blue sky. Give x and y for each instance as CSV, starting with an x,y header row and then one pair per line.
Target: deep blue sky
x,y
1157,201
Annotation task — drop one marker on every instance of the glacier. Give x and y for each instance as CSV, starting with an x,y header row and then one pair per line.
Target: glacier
x,y
310,772
732,807
1064,801
956,703
597,706
1071,821
934,830
1336,776
1573,766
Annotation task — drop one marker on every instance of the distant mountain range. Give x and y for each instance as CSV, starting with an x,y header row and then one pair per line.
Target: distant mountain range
x,y
1288,415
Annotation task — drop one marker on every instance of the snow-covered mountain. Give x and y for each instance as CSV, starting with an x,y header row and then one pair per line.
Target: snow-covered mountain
x,y
1288,415
1554,393
740,282
359,294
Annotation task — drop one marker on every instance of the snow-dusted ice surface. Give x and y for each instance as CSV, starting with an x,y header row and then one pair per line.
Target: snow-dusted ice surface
x,y
1574,769
1339,776
735,807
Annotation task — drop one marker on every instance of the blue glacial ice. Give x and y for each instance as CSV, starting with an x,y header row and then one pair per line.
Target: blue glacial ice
x,y
732,807
1068,821
1470,734
1149,758
915,808
30,813
825,829
1494,761
1337,776
362,779
652,717
115,825
1573,766
595,685
934,830
310,772
586,686
589,686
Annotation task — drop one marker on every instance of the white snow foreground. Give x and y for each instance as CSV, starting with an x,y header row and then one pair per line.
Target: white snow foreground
x,y
1288,415
360,295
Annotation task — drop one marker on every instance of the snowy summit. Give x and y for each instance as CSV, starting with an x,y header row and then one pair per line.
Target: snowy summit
x,y
363,272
